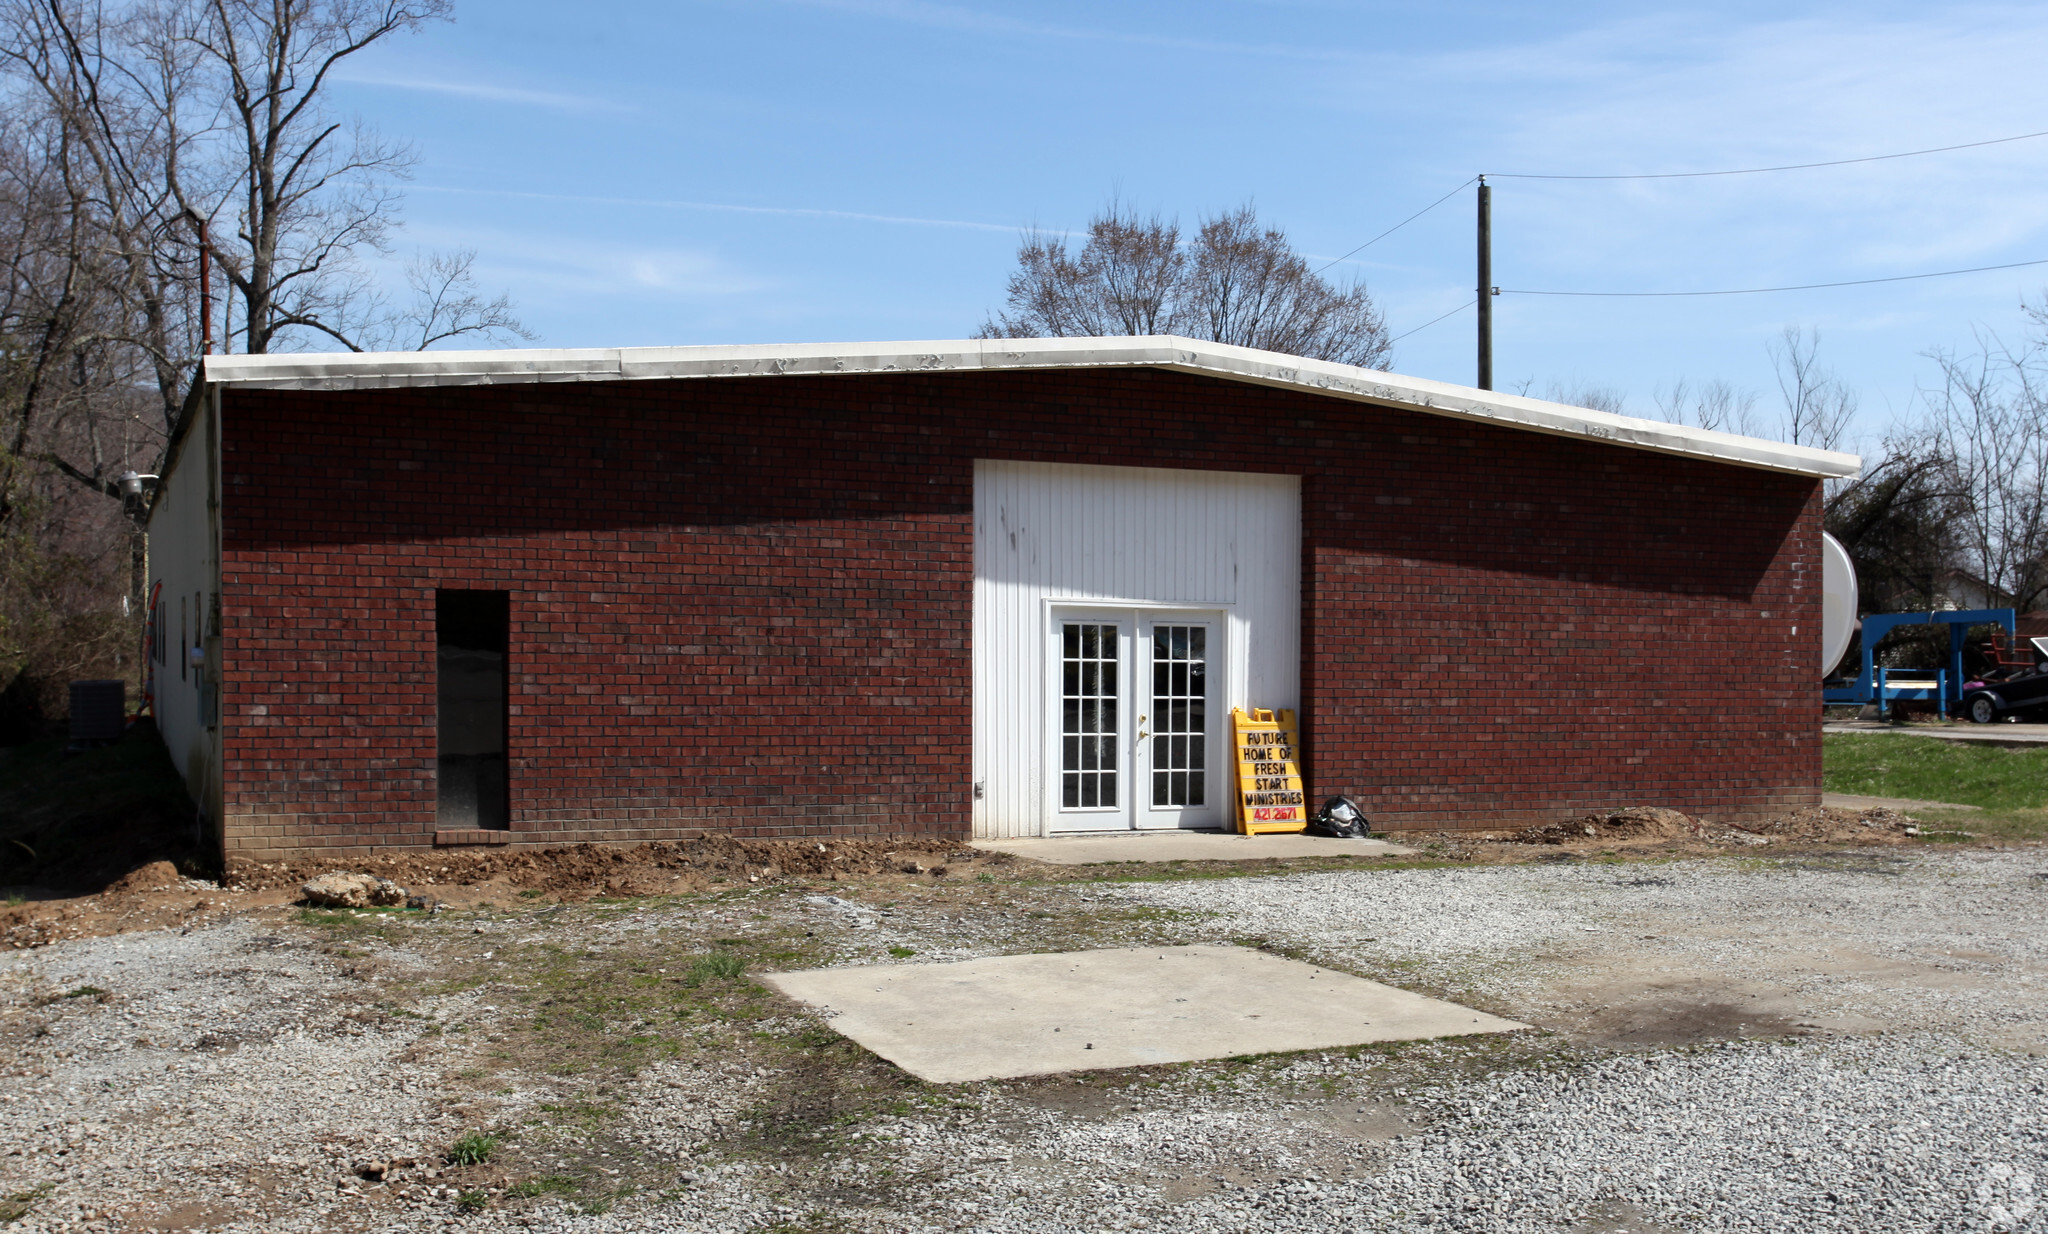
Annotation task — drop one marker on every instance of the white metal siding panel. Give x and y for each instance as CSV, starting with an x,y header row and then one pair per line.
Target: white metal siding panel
x,y
1149,536
181,561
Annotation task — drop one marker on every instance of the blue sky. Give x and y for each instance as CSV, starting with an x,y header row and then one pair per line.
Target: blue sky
x,y
813,170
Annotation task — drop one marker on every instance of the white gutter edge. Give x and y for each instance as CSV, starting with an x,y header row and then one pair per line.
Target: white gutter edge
x,y
393,370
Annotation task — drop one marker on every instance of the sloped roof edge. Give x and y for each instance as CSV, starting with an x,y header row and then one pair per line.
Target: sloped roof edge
x,y
388,370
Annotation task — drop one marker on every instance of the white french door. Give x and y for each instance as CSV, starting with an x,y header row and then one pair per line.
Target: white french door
x,y
1136,708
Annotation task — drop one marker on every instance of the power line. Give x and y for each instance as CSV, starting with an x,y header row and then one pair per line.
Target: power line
x,y
1693,175
1752,171
1432,321
1753,291
1396,227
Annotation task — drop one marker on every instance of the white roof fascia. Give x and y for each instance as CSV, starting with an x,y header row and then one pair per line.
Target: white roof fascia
x,y
390,370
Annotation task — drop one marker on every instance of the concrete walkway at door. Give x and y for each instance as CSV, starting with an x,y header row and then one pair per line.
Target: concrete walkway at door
x,y
1184,846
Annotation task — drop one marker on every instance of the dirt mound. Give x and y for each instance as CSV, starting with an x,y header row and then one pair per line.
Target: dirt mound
x,y
1832,824
639,869
1633,823
1809,824
156,876
31,926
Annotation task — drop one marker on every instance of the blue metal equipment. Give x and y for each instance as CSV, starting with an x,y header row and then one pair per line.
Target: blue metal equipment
x,y
1943,687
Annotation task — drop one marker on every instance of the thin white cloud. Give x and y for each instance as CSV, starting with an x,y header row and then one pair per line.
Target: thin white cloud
x,y
537,267
1667,93
975,21
492,94
725,208
1658,90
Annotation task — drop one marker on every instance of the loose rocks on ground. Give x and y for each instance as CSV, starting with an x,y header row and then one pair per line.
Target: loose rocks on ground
x,y
254,1077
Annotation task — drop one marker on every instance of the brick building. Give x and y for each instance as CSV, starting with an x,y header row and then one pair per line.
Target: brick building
x,y
970,588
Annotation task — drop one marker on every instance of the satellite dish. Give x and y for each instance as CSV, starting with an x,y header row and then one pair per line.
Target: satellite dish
x,y
1837,602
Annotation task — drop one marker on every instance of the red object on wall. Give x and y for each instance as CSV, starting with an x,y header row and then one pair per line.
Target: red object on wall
x,y
744,605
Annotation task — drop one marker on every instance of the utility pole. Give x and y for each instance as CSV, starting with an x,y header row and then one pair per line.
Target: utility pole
x,y
1486,292
205,293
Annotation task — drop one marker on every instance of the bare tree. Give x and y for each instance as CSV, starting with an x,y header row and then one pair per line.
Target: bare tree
x,y
72,407
1576,393
100,276
207,123
1992,420
1247,285
446,304
1237,282
239,88
188,128
138,138
1900,521
1818,404
1123,280
1713,404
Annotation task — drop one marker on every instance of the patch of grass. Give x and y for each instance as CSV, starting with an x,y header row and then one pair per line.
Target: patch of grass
x,y
545,1184
473,1201
593,1010
588,1115
821,1094
474,1148
902,953
811,1037
86,991
1962,826
348,922
14,1207
1965,773
718,966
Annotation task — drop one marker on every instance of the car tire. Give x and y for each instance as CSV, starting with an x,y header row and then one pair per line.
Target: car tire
x,y
1981,709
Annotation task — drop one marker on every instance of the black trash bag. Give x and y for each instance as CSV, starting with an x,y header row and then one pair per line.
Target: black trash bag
x,y
1340,818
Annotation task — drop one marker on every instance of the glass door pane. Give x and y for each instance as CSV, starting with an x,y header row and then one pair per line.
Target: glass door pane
x,y
1090,743
1179,746
1180,720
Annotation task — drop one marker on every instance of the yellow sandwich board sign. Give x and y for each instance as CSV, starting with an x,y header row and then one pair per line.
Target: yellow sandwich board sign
x,y
1270,796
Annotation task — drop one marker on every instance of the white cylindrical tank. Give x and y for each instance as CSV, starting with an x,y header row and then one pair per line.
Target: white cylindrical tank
x,y
1837,602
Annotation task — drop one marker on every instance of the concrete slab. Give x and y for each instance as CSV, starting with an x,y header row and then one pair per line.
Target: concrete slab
x,y
1859,801
1184,846
1125,1007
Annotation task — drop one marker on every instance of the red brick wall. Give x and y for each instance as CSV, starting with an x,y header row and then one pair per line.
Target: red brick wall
x,y
743,604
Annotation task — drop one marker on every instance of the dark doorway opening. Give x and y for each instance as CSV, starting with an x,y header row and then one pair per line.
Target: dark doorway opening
x,y
471,629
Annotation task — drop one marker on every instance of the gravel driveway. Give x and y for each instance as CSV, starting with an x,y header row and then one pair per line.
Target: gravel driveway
x,y
1831,1043
1643,953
